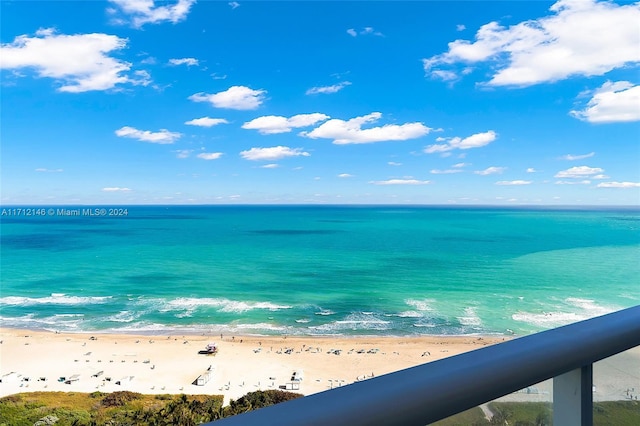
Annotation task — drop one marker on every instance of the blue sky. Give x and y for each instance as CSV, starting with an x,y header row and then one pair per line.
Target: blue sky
x,y
185,102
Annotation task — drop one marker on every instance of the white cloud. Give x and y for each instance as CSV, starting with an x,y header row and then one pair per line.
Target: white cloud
x,y
236,97
531,170
572,157
578,172
573,182
458,165
143,12
445,172
215,76
393,163
273,153
611,103
210,155
513,182
348,132
578,38
328,89
460,27
79,63
183,153
491,171
365,31
344,175
45,170
599,177
162,137
184,61
271,124
270,166
206,122
234,4
474,141
116,189
400,182
619,185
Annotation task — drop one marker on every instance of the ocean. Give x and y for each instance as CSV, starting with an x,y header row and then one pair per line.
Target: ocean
x,y
315,270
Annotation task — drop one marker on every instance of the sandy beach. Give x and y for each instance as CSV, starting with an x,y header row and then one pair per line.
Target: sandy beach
x,y
47,361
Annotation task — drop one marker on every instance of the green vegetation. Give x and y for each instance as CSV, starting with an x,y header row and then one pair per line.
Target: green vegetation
x,y
130,408
127,408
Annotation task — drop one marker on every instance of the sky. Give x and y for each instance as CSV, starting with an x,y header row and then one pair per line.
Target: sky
x,y
127,102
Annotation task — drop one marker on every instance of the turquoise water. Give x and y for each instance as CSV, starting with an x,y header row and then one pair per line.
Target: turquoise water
x,y
313,270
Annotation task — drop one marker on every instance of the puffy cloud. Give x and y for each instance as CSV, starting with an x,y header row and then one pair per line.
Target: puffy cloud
x,y
273,153
572,157
80,63
531,170
270,166
206,122
460,27
162,137
619,185
209,155
236,97
394,163
578,172
143,12
513,182
579,37
328,89
271,124
350,132
400,182
352,32
184,61
611,103
490,171
474,141
344,175
115,189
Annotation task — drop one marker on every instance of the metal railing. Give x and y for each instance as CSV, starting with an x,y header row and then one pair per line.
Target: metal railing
x,y
436,390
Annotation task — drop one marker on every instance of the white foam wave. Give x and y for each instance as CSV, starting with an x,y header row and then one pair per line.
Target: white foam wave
x,y
356,321
421,305
303,320
260,326
325,312
470,318
224,305
123,316
54,299
410,314
576,310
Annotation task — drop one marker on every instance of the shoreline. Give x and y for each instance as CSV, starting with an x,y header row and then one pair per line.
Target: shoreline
x,y
171,363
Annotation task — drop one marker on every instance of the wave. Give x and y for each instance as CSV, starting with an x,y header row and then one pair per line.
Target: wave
x,y
574,310
54,299
421,305
470,318
325,312
355,322
223,305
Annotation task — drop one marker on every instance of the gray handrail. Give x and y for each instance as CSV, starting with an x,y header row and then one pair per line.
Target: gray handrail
x,y
439,389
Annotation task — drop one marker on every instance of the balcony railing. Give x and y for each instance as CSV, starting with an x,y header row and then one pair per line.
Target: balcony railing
x,y
439,389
